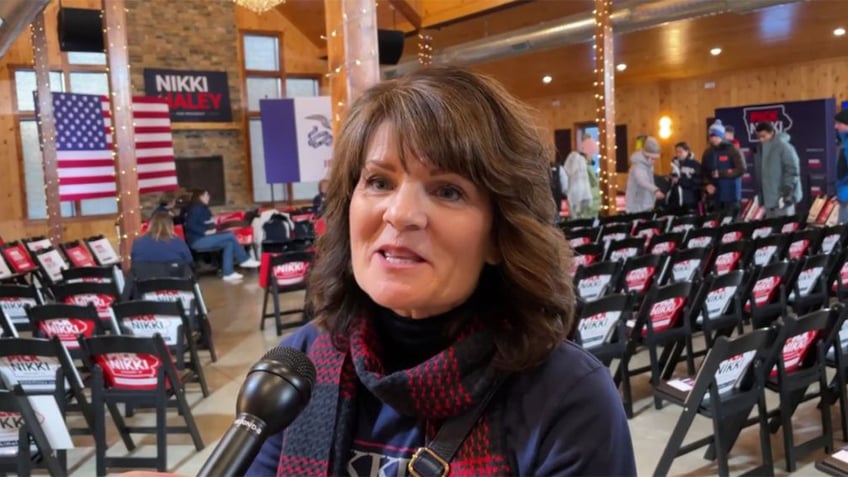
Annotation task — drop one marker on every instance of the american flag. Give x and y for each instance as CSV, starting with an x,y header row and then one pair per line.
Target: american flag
x,y
84,146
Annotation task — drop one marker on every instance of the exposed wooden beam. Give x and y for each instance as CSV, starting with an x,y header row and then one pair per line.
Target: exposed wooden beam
x,y
48,131
408,11
439,12
129,218
605,104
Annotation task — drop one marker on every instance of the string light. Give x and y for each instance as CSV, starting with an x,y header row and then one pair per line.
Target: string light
x,y
604,85
425,48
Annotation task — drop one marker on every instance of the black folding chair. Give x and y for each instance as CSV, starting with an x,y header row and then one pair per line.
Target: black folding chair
x,y
594,281
726,388
735,232
768,292
638,275
684,223
139,372
171,321
729,257
803,243
286,272
78,254
103,251
648,229
34,449
833,239
50,265
809,291
620,250
614,232
67,322
769,249
586,255
719,309
573,225
667,243
580,237
687,265
14,299
101,295
702,238
188,292
94,275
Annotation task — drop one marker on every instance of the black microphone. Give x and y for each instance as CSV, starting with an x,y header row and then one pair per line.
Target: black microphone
x,y
274,392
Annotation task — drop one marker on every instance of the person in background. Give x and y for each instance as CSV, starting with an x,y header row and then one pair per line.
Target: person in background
x,y
160,244
167,204
642,191
722,168
559,187
841,125
685,191
730,136
199,236
584,195
440,280
777,167
318,201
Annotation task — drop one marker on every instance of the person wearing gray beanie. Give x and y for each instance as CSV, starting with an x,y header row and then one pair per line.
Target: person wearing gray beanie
x,y
722,168
642,192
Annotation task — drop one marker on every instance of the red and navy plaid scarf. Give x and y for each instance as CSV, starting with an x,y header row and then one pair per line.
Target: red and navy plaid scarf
x,y
319,442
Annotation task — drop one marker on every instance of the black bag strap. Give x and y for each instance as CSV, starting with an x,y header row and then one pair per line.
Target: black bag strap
x,y
433,460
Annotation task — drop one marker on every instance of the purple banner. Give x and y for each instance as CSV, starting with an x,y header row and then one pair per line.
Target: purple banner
x,y
279,139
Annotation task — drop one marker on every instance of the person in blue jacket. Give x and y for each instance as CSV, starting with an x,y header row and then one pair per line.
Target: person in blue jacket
x,y
200,235
440,277
160,244
722,168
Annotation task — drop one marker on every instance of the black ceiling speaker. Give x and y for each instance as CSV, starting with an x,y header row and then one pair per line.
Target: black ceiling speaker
x,y
80,29
390,46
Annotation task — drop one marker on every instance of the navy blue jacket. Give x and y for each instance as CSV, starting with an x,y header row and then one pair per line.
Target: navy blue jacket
x,y
195,222
563,417
728,161
147,249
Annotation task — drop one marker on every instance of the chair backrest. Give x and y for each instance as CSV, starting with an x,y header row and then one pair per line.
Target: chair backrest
x,y
18,257
812,276
93,274
711,221
718,294
701,238
66,322
684,223
38,243
619,250
148,318
588,254
734,232
639,273
803,242
771,284
102,250
51,262
130,362
615,232
833,238
664,307
769,249
687,265
34,363
730,256
764,228
14,299
169,290
665,243
649,228
287,271
593,281
598,319
26,419
101,295
799,336
580,237
573,225
78,254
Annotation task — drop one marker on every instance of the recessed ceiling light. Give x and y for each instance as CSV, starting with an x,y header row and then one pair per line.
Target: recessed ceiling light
x,y
715,51
547,79
621,66
839,31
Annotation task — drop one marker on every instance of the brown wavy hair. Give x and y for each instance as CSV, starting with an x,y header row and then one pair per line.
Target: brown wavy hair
x,y
467,124
161,226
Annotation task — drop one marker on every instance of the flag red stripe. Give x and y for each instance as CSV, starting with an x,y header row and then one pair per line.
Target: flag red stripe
x,y
154,145
85,163
151,114
149,99
157,174
152,129
87,180
155,159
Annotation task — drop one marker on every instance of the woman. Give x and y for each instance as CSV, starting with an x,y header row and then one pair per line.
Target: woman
x,y
160,244
584,197
440,275
201,237
642,192
685,190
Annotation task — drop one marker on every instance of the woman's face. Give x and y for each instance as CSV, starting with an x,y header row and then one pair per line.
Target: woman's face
x,y
681,153
419,237
205,198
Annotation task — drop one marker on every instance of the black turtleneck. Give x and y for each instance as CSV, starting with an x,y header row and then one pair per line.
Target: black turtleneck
x,y
407,342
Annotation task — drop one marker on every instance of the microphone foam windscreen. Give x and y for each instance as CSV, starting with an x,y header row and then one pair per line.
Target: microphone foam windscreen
x,y
293,359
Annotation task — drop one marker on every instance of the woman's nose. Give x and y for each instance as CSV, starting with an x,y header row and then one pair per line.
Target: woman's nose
x,y
406,208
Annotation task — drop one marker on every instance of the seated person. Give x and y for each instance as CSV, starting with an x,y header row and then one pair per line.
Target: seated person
x,y
160,244
167,204
201,235
318,201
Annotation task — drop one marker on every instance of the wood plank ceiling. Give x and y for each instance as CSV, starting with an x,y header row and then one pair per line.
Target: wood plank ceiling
x,y
785,34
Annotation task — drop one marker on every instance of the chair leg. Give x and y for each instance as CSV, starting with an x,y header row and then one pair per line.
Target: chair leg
x,y
185,411
264,308
275,298
720,446
765,439
118,419
788,438
827,424
626,392
198,368
161,433
99,431
843,401
206,331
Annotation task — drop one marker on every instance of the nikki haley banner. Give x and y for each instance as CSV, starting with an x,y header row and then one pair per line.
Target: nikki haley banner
x,y
193,96
297,137
810,126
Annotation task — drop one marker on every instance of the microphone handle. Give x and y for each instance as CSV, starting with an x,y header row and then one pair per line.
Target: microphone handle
x,y
236,449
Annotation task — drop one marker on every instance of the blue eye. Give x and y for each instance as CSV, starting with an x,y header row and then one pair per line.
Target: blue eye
x,y
376,183
449,193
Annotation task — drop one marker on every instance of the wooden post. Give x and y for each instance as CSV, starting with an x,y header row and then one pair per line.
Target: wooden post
x,y
351,52
48,131
129,214
605,104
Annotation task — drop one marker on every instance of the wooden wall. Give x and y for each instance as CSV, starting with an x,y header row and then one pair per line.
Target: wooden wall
x,y
301,57
688,103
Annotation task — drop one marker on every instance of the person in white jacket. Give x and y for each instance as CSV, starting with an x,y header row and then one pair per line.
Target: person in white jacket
x,y
642,193
579,189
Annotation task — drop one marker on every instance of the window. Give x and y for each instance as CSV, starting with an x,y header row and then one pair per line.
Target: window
x,y
265,79
82,73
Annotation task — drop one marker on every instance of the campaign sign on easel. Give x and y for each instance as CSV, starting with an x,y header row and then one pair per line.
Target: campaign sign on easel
x,y
810,125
